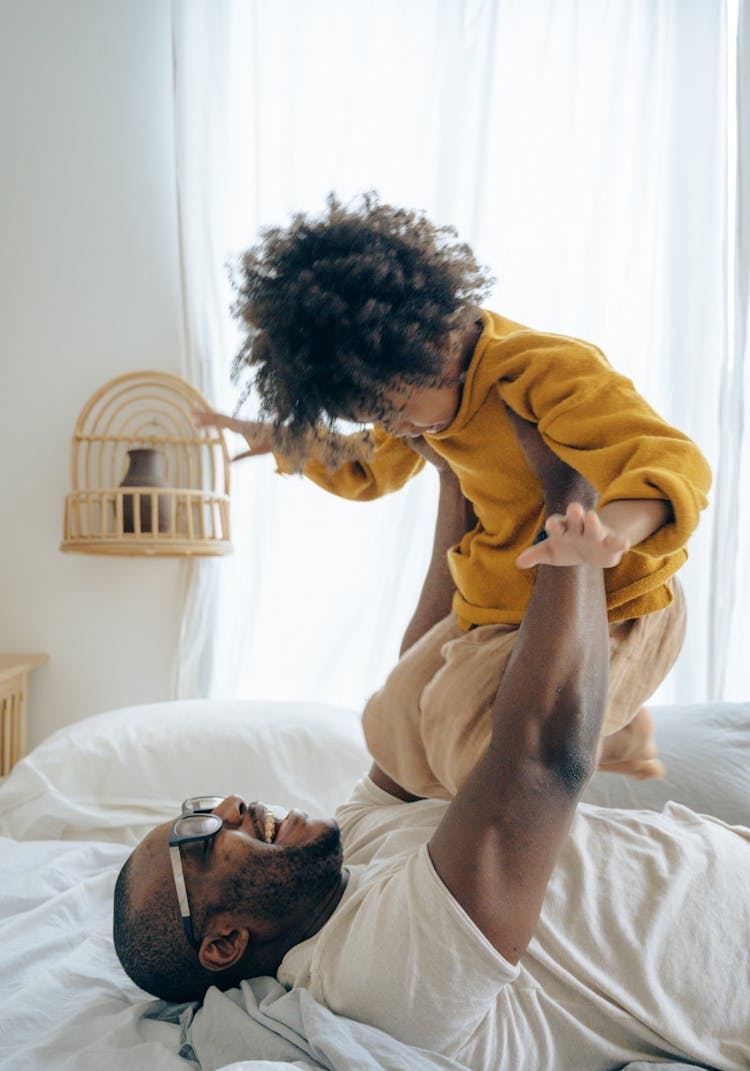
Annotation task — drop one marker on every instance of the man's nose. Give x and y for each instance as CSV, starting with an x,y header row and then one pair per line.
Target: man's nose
x,y
231,810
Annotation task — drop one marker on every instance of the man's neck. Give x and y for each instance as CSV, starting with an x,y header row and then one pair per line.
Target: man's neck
x,y
268,955
326,907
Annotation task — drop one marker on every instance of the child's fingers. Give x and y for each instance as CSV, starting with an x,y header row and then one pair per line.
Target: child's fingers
x,y
577,536
556,525
203,416
593,529
528,558
256,434
597,533
207,418
575,516
571,523
616,546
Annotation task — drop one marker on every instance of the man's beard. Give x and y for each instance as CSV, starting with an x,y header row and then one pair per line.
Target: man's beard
x,y
276,884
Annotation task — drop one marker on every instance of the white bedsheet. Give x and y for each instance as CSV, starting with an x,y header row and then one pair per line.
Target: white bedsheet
x,y
69,815
65,1002
70,812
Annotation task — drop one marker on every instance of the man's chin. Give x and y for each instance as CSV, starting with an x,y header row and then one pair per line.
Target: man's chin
x,y
297,829
307,872
326,841
279,881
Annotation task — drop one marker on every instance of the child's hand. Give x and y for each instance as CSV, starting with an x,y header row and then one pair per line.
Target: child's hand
x,y
578,537
256,434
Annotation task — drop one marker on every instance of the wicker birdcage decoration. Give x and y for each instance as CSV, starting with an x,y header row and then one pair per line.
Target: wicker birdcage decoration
x,y
145,480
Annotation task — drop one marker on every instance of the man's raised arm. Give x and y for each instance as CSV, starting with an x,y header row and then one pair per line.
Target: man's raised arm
x,y
455,517
498,842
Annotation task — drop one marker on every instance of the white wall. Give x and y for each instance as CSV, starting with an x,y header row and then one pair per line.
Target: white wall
x,y
89,289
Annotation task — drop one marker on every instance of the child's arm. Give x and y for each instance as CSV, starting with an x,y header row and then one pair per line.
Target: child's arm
x,y
256,434
599,538
391,466
635,519
593,418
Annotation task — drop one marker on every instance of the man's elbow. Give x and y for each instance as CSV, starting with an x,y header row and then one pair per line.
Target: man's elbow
x,y
569,743
573,767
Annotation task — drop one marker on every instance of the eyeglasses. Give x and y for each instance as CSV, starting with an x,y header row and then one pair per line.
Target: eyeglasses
x,y
197,822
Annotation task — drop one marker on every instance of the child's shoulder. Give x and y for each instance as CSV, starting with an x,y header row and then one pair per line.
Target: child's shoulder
x,y
504,340
500,328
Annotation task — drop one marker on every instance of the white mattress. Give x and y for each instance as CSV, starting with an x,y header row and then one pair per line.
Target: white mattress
x,y
70,812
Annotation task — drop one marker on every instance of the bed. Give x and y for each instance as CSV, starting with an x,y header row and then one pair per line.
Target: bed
x,y
73,808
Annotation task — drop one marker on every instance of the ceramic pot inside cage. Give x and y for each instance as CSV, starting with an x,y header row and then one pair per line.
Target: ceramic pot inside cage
x,y
147,469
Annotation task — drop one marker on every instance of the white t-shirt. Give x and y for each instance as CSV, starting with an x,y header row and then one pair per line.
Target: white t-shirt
x,y
642,950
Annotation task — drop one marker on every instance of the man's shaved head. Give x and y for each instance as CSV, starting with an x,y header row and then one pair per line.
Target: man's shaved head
x,y
149,938
269,893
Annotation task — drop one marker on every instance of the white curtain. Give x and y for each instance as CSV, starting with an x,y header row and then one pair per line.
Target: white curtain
x,y
579,146
730,603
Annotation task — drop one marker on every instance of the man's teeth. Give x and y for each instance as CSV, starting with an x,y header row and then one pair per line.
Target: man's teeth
x,y
269,828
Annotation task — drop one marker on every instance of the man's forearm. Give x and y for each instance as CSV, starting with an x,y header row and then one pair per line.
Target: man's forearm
x,y
497,844
455,517
555,684
554,688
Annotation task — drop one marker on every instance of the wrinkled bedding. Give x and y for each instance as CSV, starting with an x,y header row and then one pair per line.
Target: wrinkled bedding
x,y
70,812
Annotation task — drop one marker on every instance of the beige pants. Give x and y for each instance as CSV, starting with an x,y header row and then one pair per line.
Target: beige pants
x,y
431,721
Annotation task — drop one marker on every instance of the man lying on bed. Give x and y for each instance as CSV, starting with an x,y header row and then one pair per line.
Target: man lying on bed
x,y
508,928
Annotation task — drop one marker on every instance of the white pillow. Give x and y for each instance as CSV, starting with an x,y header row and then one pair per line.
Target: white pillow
x,y
115,775
706,749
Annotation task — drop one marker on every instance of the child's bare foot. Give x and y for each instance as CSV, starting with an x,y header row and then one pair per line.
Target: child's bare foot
x,y
632,750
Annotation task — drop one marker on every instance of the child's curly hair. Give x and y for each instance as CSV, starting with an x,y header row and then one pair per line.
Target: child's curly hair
x,y
339,309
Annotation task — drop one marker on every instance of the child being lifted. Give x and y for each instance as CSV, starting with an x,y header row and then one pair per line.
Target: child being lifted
x,y
370,314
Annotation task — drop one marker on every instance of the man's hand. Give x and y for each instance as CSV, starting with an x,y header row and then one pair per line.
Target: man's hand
x,y
420,446
256,434
541,460
561,484
576,538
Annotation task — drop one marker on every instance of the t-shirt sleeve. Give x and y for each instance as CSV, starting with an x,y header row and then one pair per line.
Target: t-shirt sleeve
x,y
595,420
402,955
393,463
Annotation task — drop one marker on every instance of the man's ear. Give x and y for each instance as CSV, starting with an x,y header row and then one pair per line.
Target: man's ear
x,y
223,945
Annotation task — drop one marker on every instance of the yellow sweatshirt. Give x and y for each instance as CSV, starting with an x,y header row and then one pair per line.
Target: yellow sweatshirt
x,y
593,419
